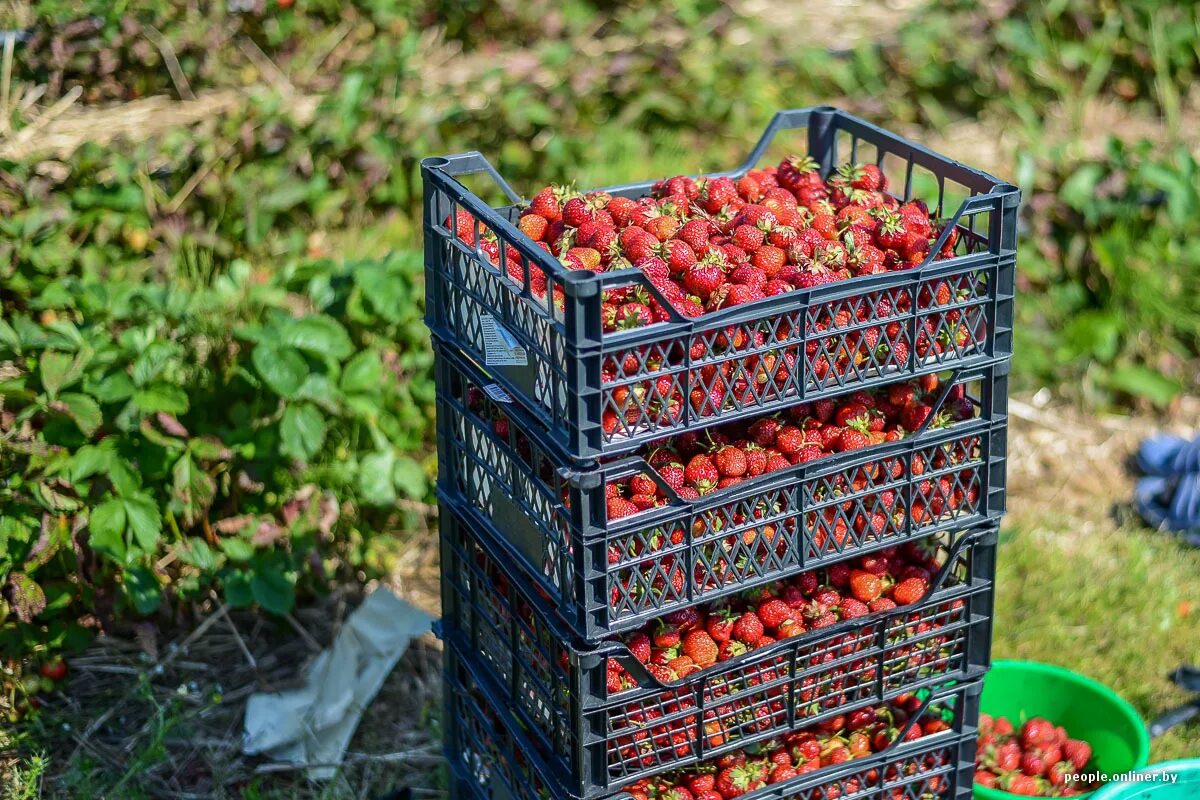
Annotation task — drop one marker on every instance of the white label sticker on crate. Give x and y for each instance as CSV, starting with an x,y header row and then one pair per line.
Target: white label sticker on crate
x,y
497,393
500,347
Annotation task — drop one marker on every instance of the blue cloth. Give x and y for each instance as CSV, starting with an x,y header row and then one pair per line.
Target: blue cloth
x,y
1168,497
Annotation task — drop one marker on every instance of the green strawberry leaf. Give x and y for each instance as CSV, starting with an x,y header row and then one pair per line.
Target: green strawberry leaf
x,y
143,589
319,335
106,525
281,368
83,410
302,431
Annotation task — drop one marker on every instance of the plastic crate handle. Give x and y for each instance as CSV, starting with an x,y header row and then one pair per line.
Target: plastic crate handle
x,y
471,163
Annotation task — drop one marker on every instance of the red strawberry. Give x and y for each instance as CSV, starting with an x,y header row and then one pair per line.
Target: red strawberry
x,y
1033,763
748,629
748,237
773,612
909,591
1020,784
865,586
702,474
720,625
853,609
1077,752
790,440
852,439
618,507
666,636
703,277
770,259
1036,731
639,645
577,211
548,202
731,462
700,647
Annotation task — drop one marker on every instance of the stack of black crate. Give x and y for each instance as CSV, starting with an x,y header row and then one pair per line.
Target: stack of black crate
x,y
534,421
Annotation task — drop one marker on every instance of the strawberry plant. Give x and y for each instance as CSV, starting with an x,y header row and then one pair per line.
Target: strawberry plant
x,y
158,441
1115,252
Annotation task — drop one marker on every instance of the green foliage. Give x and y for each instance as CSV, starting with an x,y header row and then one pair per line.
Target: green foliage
x,y
972,57
164,438
1114,253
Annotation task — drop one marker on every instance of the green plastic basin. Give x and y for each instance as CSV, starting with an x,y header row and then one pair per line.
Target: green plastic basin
x,y
1186,786
1087,709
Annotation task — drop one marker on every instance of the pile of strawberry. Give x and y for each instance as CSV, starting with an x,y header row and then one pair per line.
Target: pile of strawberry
x,y
844,738
694,638
694,464
1038,760
712,243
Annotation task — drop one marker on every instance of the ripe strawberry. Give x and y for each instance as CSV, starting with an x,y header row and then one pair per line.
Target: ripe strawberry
x,y
700,647
773,613
696,233
703,277
781,773
720,625
852,439
826,225
679,256
548,202
639,646
790,440
748,275
865,586
672,474
716,193
702,474
1020,784
748,237
663,227
666,636
810,452
852,609
642,483
770,259
1077,752
1036,731
534,226
748,629
619,507
740,294
986,779
577,211
1033,763
731,462
798,172
1057,773
910,590
621,209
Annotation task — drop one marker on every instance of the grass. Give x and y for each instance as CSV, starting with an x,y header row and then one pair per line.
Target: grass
x,y
1120,605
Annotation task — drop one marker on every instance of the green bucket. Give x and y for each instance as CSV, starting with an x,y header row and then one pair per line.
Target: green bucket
x,y
1186,786
1087,709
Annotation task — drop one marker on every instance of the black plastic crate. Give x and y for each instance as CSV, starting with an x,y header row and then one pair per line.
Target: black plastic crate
x,y
948,313
559,689
492,757
609,576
